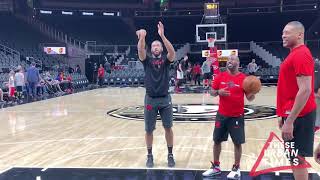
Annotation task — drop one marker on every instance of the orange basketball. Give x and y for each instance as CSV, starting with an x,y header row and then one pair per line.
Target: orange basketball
x,y
251,84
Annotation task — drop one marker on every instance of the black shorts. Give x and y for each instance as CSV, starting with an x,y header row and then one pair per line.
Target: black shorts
x,y
229,125
206,76
154,106
303,134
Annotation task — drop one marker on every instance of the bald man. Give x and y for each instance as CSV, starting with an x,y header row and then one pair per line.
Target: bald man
x,y
230,117
296,104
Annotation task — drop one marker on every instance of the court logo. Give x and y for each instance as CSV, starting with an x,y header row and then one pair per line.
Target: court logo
x,y
194,112
277,155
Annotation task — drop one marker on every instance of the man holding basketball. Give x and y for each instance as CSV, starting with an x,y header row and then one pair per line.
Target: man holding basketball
x,y
230,117
295,100
157,99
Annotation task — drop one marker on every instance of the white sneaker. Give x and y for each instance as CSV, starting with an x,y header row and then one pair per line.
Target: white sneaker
x,y
213,171
235,173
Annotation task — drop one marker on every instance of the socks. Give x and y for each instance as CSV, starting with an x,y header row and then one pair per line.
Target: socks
x,y
216,163
149,150
170,150
236,165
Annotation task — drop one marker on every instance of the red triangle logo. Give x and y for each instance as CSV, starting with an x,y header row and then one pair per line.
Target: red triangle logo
x,y
254,171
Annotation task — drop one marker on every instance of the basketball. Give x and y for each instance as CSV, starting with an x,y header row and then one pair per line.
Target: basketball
x,y
252,84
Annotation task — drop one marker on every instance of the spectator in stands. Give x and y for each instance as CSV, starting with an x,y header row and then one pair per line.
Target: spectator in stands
x,y
70,70
101,75
11,85
113,60
78,69
60,76
60,69
41,87
206,71
33,78
252,67
20,82
95,73
196,71
63,82
70,84
107,67
53,83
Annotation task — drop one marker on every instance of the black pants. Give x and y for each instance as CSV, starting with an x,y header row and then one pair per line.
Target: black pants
x,y
19,92
101,81
94,77
197,79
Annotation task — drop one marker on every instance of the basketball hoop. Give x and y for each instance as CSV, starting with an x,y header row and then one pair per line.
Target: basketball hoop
x,y
211,42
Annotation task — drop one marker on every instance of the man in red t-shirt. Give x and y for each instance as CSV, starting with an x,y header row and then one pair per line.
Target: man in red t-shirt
x,y
196,74
230,117
101,75
295,98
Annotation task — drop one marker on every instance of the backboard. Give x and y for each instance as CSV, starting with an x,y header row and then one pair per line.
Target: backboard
x,y
206,31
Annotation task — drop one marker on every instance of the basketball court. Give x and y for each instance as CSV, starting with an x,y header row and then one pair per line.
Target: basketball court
x,y
102,129
72,88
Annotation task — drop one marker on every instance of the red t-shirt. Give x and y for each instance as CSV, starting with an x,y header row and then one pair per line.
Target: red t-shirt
x,y
298,62
196,70
233,105
101,72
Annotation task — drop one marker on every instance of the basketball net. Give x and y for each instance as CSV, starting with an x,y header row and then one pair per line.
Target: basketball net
x,y
211,42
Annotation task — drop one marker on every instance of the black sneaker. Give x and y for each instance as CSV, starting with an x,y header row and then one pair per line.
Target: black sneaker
x,y
149,162
171,162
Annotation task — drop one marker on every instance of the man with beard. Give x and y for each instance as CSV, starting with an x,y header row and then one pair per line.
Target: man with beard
x,y
157,99
230,116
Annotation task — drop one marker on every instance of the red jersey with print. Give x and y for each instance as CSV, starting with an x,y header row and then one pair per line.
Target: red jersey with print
x,y
233,105
298,63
